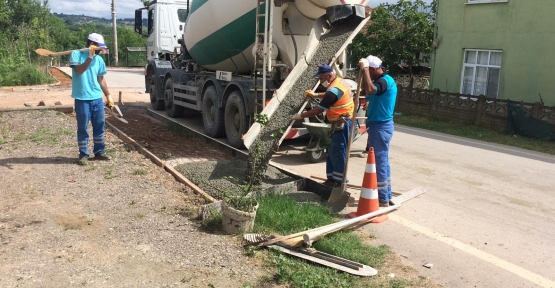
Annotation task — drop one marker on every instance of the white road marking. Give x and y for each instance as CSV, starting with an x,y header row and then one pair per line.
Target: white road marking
x,y
519,271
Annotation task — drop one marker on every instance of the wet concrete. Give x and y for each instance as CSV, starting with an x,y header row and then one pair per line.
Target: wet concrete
x,y
329,45
216,176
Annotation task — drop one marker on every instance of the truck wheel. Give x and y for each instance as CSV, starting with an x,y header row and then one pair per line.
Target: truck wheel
x,y
154,102
173,110
212,116
236,123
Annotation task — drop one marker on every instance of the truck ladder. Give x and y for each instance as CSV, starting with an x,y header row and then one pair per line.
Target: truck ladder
x,y
266,36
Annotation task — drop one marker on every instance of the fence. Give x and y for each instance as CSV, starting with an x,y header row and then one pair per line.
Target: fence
x,y
477,110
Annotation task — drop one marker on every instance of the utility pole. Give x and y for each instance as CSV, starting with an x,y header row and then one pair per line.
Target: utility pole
x,y
114,24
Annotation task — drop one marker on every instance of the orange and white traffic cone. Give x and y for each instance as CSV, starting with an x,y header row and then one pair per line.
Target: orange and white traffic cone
x,y
368,201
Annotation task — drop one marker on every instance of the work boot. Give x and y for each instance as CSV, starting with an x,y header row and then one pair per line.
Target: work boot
x,y
102,156
384,204
329,183
83,160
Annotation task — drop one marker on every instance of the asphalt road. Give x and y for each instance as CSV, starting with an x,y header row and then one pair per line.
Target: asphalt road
x,y
486,219
121,78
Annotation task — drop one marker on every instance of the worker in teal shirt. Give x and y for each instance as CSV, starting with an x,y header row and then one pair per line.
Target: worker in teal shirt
x,y
88,71
381,94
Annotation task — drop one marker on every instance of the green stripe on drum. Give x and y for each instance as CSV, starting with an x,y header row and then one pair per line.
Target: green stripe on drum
x,y
227,42
195,5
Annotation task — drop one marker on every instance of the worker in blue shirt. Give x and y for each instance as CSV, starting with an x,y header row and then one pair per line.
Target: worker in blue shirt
x,y
381,94
88,71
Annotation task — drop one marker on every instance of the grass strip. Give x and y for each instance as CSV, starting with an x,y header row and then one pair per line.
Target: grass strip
x,y
283,215
476,132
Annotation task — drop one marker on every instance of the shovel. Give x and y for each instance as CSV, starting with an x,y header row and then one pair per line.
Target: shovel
x,y
44,52
118,115
339,197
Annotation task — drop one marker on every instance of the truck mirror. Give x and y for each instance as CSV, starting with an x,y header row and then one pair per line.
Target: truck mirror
x,y
139,21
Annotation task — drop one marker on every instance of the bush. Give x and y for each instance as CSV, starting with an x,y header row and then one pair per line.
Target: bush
x,y
25,75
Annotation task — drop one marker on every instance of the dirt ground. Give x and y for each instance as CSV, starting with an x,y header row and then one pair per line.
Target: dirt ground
x,y
122,223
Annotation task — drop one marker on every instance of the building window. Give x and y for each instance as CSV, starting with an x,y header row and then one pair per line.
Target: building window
x,y
485,1
481,72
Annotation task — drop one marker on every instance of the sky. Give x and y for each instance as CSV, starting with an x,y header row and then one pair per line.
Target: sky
x,y
124,8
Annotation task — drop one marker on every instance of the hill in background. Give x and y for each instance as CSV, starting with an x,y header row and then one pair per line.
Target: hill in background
x,y
72,19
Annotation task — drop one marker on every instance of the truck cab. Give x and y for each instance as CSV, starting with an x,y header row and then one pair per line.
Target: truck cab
x,y
163,36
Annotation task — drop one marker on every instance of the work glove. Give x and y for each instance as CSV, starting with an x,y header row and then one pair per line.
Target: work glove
x,y
110,103
92,50
297,117
363,63
310,93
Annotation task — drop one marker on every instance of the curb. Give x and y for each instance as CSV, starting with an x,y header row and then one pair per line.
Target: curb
x,y
35,87
60,108
55,67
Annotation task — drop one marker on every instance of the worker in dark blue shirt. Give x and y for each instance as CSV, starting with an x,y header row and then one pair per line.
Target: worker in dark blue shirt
x,y
381,94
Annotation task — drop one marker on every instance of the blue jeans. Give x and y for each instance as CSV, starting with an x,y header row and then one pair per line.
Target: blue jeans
x,y
93,111
379,136
337,154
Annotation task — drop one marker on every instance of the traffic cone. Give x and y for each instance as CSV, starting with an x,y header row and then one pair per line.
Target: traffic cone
x,y
368,201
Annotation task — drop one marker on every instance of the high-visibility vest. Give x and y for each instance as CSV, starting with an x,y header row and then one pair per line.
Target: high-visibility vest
x,y
345,105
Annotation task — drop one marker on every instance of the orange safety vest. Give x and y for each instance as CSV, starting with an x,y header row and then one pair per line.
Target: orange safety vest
x,y
345,105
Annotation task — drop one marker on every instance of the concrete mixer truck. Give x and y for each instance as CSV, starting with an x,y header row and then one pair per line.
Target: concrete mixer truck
x,y
226,58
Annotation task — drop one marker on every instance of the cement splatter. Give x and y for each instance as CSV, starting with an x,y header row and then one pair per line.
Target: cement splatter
x,y
330,43
216,176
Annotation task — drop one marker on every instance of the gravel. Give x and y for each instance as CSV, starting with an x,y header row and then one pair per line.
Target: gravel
x,y
330,43
119,223
214,176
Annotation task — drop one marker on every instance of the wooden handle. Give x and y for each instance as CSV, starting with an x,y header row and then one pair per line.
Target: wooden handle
x,y
65,52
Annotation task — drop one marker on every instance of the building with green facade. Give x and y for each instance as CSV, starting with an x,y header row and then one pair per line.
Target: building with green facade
x,y
499,48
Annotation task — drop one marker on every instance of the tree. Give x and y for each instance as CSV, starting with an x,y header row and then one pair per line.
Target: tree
x,y
399,33
145,2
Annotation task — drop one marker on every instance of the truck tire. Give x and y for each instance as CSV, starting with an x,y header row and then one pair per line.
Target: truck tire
x,y
173,110
212,116
154,102
236,122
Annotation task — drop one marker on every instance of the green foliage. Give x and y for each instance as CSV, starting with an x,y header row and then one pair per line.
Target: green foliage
x,y
25,25
401,32
23,75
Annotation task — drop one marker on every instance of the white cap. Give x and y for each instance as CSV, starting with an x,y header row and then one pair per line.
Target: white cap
x,y
95,37
374,61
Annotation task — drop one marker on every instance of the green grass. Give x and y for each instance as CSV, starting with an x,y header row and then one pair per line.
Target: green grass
x,y
25,74
44,135
140,172
476,132
109,172
283,215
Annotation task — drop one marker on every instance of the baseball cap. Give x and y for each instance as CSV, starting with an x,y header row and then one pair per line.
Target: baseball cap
x,y
374,62
95,37
323,69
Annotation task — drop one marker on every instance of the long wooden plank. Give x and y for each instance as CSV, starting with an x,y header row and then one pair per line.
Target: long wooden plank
x,y
61,108
363,271
324,179
408,195
160,162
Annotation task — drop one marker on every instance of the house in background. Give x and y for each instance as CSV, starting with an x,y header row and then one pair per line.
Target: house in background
x,y
499,48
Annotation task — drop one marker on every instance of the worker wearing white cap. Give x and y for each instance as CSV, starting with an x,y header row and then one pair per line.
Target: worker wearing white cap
x,y
381,94
89,84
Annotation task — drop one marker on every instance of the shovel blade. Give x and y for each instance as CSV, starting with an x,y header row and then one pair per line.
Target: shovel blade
x,y
119,111
338,199
340,203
